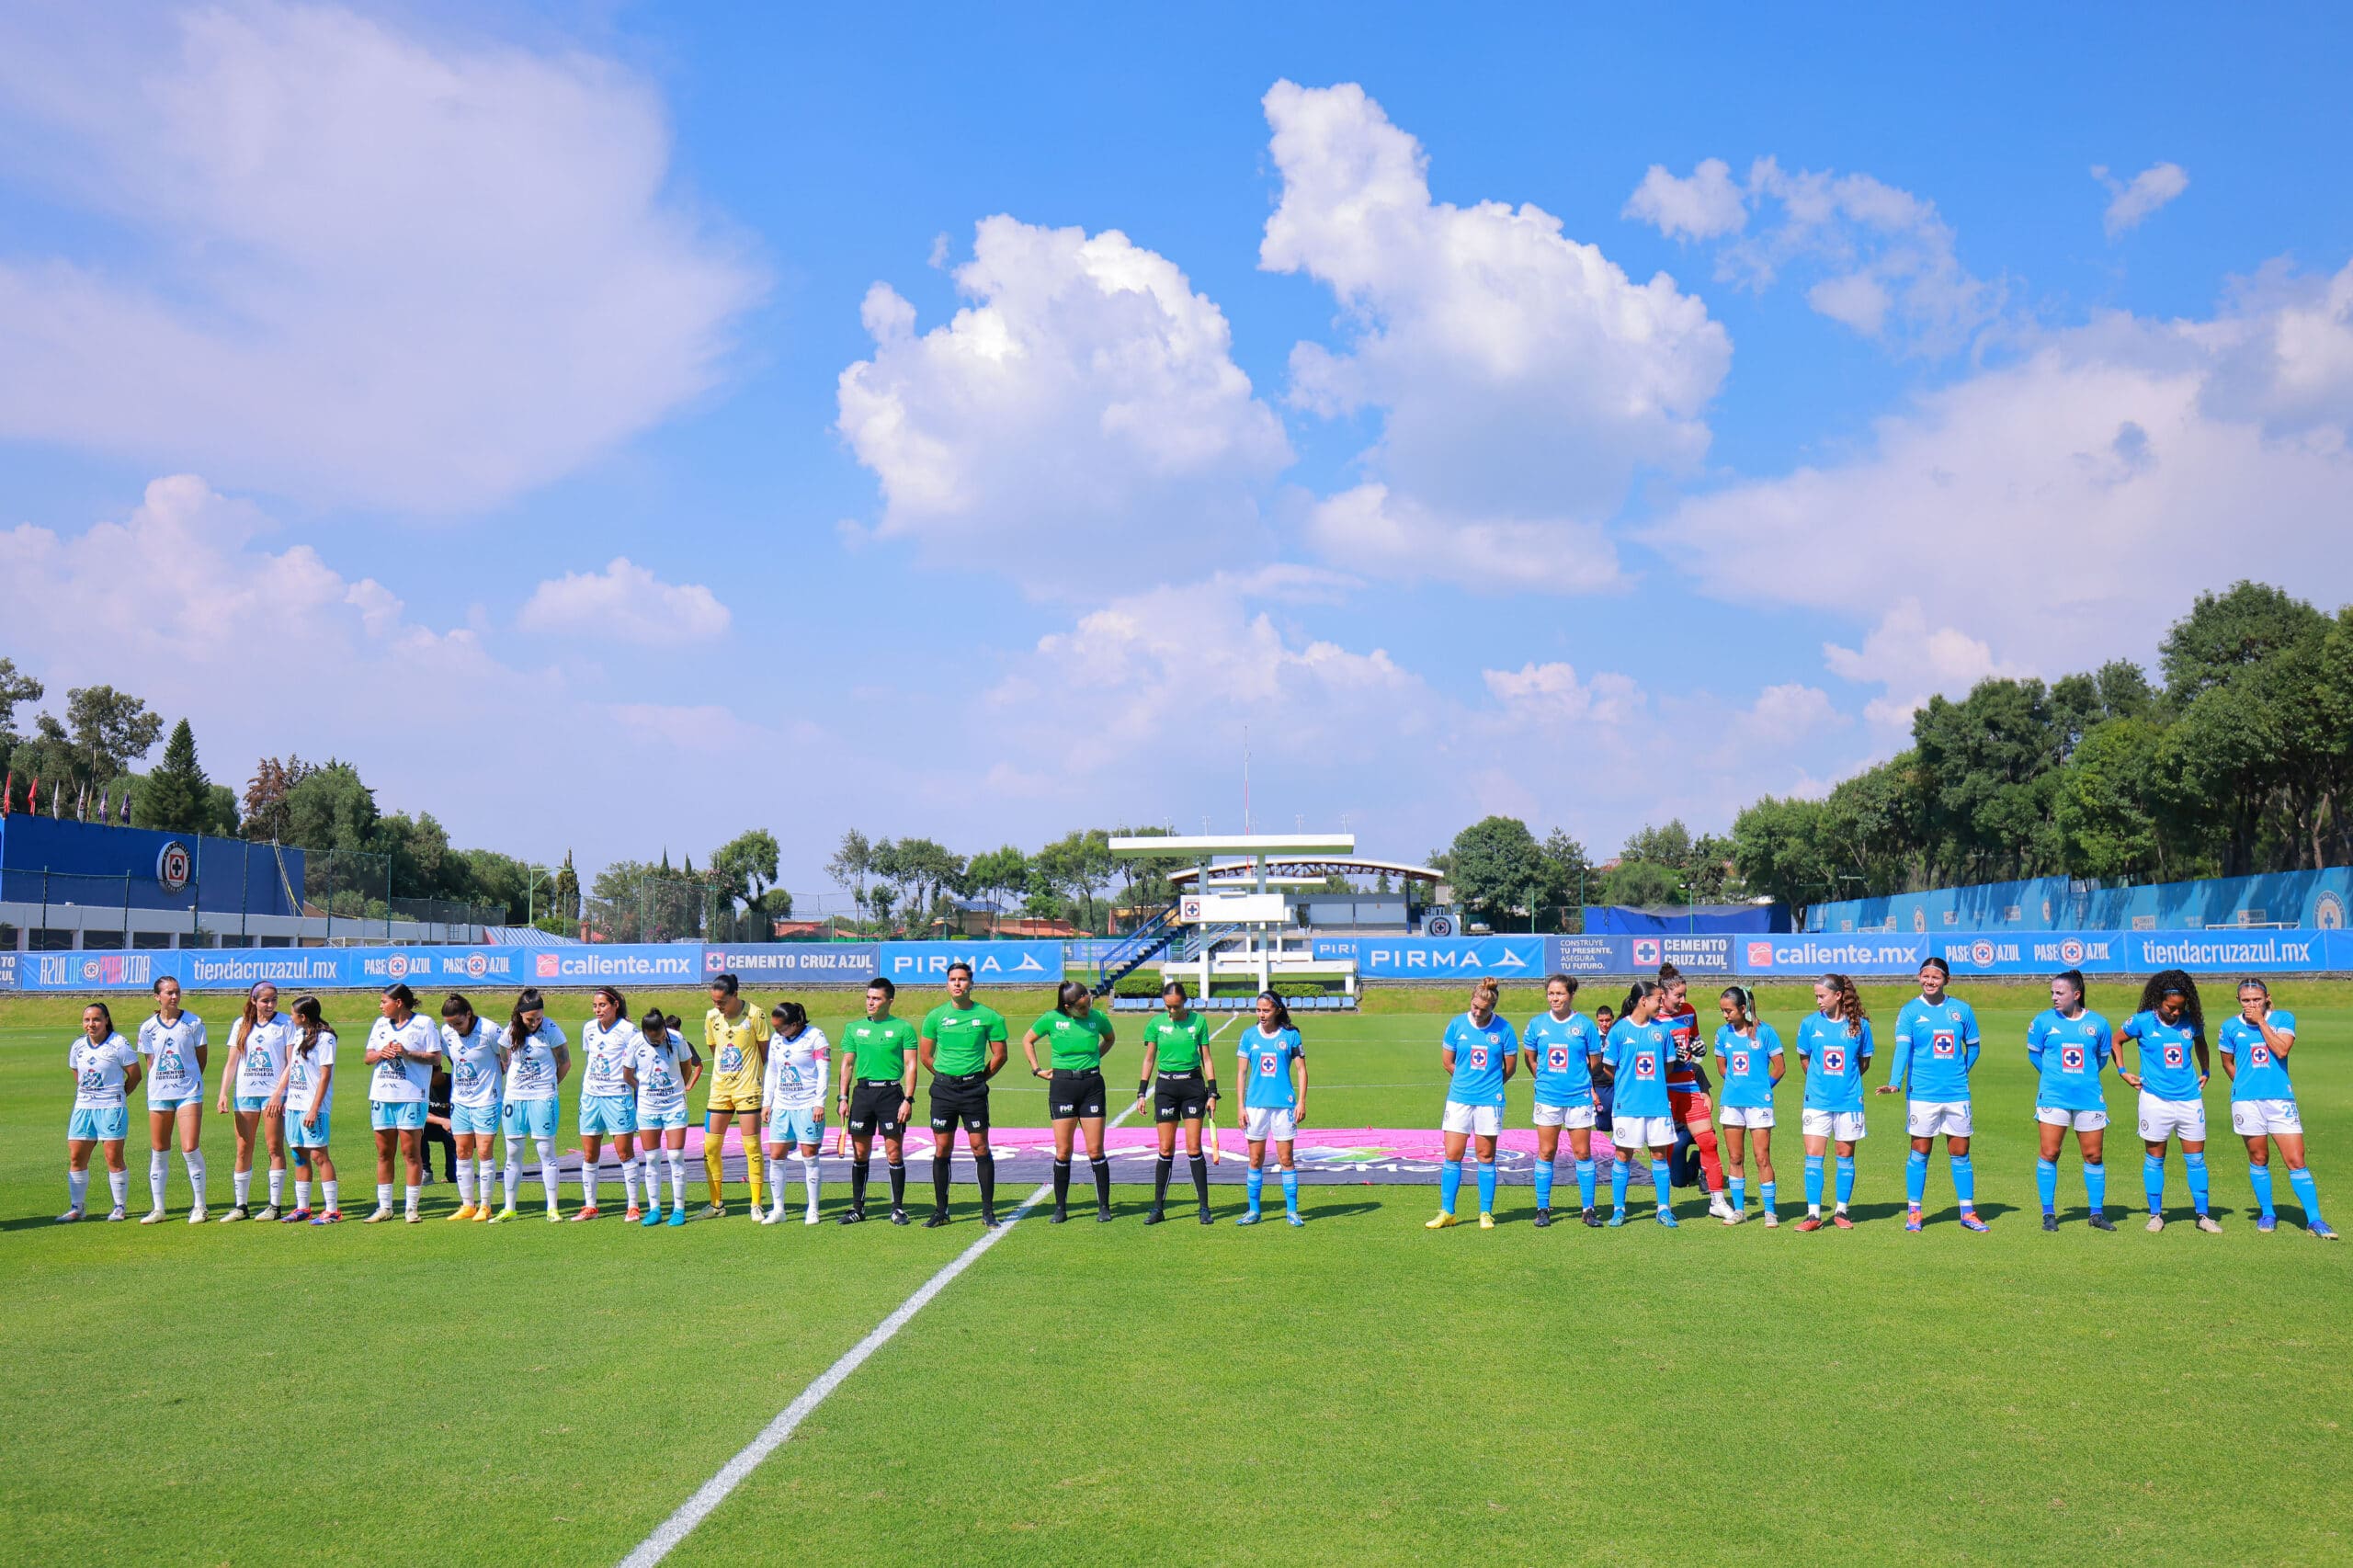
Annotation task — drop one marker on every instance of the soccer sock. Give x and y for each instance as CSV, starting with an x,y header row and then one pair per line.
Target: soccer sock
x,y
1200,1167
482,1170
939,1179
465,1187
628,1183
676,1160
1587,1179
985,1165
194,1160
1711,1163
858,1185
1543,1183
1846,1174
2095,1184
776,1184
1161,1169
1662,1186
1915,1177
809,1180
1256,1182
1814,1184
277,1186
333,1200
158,1172
1102,1169
712,1142
77,1189
242,1183
2259,1178
1767,1192
588,1179
1449,1185
1737,1184
546,1170
1964,1183
410,1197
513,1172
301,1193
898,1184
383,1194
1291,1190
2153,1181
2046,1182
1487,1187
2307,1194
751,1169
2194,1166
118,1183
1620,1172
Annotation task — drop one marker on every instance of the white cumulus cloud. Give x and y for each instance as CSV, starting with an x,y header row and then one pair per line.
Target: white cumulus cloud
x,y
625,603
2131,202
1914,661
1705,205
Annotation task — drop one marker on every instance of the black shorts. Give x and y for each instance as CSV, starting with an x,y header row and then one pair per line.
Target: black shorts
x,y
959,1097
1180,1097
877,1105
1080,1095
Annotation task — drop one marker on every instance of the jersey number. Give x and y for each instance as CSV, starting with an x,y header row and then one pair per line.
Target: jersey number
x,y
1944,1043
2071,1059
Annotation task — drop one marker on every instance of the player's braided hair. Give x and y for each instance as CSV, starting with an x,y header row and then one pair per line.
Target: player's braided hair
x,y
2165,979
1847,1003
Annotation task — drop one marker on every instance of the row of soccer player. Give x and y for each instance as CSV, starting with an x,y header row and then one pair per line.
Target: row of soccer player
x,y
1650,1063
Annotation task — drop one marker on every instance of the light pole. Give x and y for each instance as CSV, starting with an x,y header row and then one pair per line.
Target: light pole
x,y
532,875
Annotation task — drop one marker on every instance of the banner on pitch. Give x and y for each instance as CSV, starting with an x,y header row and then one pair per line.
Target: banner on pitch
x,y
1424,958
993,963
844,963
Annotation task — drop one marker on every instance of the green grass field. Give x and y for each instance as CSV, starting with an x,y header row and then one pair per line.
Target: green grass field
x,y
1359,1389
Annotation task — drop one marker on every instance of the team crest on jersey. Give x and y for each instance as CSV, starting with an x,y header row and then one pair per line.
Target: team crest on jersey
x,y
1740,1063
1645,1067
1944,1042
2260,1056
1833,1060
2174,1056
2071,1059
1557,1058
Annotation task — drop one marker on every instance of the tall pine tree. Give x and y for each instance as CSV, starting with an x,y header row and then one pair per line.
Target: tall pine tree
x,y
176,797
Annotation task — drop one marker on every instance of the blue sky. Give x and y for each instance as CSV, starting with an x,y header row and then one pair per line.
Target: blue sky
x,y
1571,415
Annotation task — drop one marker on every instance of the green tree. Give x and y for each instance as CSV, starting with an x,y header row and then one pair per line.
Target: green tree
x,y
1003,871
176,796
2106,804
851,865
1568,879
1989,761
110,729
744,870
1499,869
331,808
567,891
1075,865
2228,633
1776,845
1145,877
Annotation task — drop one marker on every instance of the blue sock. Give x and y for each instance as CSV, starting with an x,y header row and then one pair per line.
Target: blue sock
x,y
1255,1182
1589,1177
1739,1194
1845,1179
2096,1185
1618,1172
2153,1181
1449,1185
1813,1181
2046,1182
1487,1187
1291,1190
2307,1194
1543,1183
2260,1176
1662,1184
2196,1166
1915,1177
1766,1193
1964,1183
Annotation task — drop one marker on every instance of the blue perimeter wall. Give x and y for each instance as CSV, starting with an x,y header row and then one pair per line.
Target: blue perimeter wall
x,y
2308,900
228,874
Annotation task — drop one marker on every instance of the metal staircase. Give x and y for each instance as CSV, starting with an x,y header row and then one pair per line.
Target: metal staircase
x,y
1143,944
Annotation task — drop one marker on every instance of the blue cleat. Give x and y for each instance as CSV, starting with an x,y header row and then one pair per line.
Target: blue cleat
x,y
1617,1218
1249,1218
2267,1224
677,1217
652,1216
1970,1222
2320,1228
1292,1215
1912,1220
1667,1218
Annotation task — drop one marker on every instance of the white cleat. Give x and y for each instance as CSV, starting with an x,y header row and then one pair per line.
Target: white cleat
x,y
770,1217
153,1217
195,1217
810,1218
1720,1207
2156,1222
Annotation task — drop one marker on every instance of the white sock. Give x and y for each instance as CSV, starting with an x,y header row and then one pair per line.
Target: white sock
x,y
411,1195
158,1172
546,1170
629,1181
194,1160
465,1184
776,1186
242,1182
276,1185
333,1203
77,1189
383,1194
514,1172
118,1183
301,1192
809,1179
589,1180
678,1162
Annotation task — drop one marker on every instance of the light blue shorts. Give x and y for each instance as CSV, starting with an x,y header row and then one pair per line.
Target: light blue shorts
x,y
252,1102
405,1115
171,1107
481,1119
602,1114
528,1118
805,1124
300,1136
106,1125
672,1119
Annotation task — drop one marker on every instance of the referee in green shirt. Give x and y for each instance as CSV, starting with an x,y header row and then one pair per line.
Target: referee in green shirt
x,y
963,1046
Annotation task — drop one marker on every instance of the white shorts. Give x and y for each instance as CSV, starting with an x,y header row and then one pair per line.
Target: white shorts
x,y
2254,1118
1481,1120
1841,1126
1262,1124
1936,1119
1632,1132
1563,1114
1745,1116
2161,1119
2081,1120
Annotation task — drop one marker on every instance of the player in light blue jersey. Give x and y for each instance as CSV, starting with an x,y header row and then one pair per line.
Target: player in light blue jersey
x,y
1480,1050
1935,1046
2068,1046
1272,1067
1834,1044
2171,1031
1748,1054
2263,1102
1637,1055
1559,1048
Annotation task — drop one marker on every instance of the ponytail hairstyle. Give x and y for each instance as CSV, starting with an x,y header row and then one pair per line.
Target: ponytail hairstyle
x,y
104,1011
455,1005
314,1021
791,1014
1743,998
1282,1014
1641,988
399,993
251,1017
620,1003
2074,977
1847,1003
1067,995
1175,988
528,1001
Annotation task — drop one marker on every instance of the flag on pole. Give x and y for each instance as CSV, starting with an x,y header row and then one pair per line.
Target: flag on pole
x,y
122,813
8,793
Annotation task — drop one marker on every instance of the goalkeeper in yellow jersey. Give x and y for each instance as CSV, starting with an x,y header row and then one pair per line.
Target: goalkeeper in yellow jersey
x,y
737,1037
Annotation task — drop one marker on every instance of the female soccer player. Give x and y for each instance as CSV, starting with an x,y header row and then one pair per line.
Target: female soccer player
x,y
608,1099
1077,1038
879,1058
173,1041
1749,1055
1559,1048
962,1045
737,1037
1637,1052
800,1068
1935,1046
303,1098
401,1048
257,1061
2262,1103
1271,1064
1605,1018
1176,1071
1687,1084
538,1058
2171,1029
665,1067
2068,1046
106,1069
477,1052
1834,1044
1479,1050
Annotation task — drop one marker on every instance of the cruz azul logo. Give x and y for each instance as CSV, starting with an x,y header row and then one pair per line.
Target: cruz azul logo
x,y
1646,951
173,867
2071,950
2071,1059
1943,1045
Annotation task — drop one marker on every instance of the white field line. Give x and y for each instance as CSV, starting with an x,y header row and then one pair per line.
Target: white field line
x,y
712,1493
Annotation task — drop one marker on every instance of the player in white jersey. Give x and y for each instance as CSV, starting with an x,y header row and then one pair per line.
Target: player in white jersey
x,y
608,1097
172,1044
793,1091
256,1058
537,1060
305,1096
402,1048
665,1066
106,1069
477,1052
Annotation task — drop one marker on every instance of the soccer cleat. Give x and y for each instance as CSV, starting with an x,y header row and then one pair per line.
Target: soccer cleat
x,y
1442,1222
271,1213
770,1217
1250,1216
586,1211
2102,1222
482,1212
853,1215
1839,1218
1291,1216
153,1217
463,1212
652,1216
900,1216
555,1216
1970,1222
2266,1224
2156,1222
1912,1220
633,1212
383,1212
1720,1207
1208,1218
810,1217
1059,1217
1811,1223
989,1222
2050,1221
415,1218
2207,1223
1155,1215
677,1217
2319,1228
236,1211
196,1216
1592,1220
1102,1216
1543,1218
1733,1216
119,1214
1772,1221
938,1217
1486,1220
1666,1217
70,1216
714,1211
504,1214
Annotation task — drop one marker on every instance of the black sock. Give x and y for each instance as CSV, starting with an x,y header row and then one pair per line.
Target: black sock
x,y
1160,1169
985,1165
858,1184
898,1184
939,1181
1201,1179
1102,1169
1061,1184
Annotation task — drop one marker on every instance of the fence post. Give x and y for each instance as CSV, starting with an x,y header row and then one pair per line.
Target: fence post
x,y
388,898
127,942
44,906
196,895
